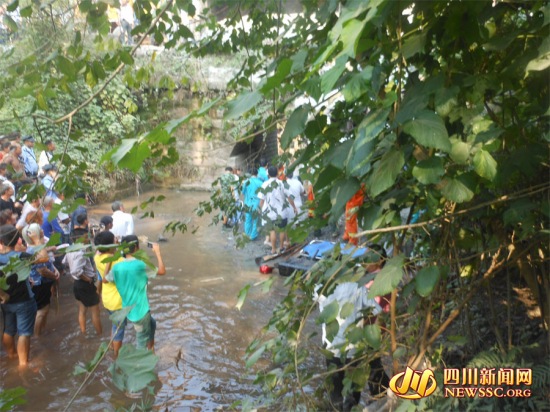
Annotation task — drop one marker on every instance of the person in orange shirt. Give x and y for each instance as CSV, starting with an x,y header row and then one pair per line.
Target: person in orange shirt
x,y
352,207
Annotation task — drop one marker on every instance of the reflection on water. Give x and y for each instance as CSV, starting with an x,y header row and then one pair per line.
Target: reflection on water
x,y
200,338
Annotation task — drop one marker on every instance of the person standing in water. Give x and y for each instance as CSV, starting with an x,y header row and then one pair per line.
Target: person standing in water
x,y
18,304
131,279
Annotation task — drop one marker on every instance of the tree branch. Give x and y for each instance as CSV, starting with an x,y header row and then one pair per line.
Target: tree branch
x,y
517,195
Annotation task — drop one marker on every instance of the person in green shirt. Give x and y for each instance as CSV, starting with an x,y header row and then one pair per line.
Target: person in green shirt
x,y
131,278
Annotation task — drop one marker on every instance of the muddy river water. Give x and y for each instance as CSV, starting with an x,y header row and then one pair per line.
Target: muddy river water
x,y
201,337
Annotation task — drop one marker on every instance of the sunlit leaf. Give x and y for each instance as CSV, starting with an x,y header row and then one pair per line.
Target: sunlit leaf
x,y
388,278
329,78
485,165
457,190
242,104
460,152
242,297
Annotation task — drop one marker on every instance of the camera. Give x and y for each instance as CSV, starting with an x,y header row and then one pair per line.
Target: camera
x,y
150,245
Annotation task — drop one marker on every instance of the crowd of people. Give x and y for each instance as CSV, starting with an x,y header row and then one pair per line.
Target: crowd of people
x,y
30,234
269,198
272,199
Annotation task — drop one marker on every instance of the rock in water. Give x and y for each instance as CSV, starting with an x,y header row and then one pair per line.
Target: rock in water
x,y
162,238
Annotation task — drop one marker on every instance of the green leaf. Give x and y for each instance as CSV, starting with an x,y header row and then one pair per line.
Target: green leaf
x,y
329,79
252,359
10,23
329,313
357,85
11,397
119,315
388,278
485,165
22,92
126,57
242,104
426,279
341,192
429,171
347,310
457,190
66,67
428,129
373,336
338,154
283,69
460,152
41,101
542,61
414,44
385,172
350,35
298,61
242,297
358,163
295,125
373,124
134,368
26,11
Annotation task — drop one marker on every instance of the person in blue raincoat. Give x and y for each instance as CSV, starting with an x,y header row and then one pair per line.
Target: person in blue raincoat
x,y
251,203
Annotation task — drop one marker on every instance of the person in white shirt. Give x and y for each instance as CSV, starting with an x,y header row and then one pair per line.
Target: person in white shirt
x,y
46,156
296,191
274,205
123,223
126,16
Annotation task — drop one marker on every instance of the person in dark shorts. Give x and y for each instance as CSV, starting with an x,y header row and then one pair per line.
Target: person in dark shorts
x,y
43,274
19,306
83,272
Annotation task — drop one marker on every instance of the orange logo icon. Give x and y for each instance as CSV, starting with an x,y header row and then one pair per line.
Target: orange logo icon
x,y
421,383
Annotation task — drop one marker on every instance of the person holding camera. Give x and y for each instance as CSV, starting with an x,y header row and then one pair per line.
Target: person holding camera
x,y
131,278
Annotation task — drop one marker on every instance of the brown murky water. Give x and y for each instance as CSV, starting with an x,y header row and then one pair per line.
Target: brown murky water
x,y
194,305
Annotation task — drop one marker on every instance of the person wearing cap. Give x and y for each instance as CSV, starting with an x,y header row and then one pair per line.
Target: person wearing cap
x,y
48,181
29,157
46,156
